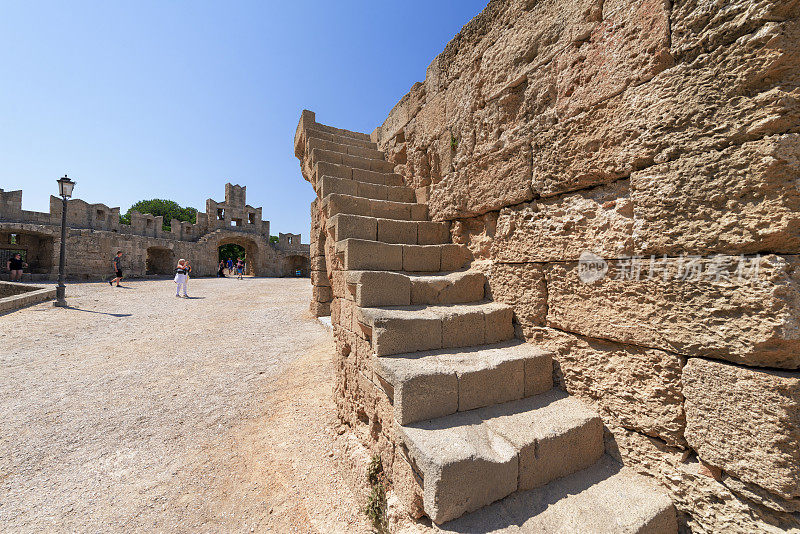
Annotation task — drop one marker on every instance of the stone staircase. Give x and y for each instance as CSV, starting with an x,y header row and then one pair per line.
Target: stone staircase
x,y
475,410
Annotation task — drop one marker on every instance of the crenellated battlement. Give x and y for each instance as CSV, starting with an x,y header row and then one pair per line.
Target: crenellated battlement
x,y
233,214
96,233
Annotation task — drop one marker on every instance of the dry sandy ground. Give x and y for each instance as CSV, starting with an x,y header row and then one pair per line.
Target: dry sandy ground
x,y
138,411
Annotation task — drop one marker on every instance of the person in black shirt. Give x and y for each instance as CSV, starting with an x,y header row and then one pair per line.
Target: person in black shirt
x,y
117,265
16,265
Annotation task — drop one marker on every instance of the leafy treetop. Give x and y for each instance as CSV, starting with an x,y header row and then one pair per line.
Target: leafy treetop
x,y
169,209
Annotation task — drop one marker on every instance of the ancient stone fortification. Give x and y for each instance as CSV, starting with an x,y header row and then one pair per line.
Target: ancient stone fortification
x,y
96,235
624,176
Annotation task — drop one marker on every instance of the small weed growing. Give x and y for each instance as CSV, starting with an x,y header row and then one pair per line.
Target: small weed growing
x,y
376,508
376,503
453,142
375,471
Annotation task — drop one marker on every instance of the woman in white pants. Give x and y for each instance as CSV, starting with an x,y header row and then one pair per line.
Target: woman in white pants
x,y
181,277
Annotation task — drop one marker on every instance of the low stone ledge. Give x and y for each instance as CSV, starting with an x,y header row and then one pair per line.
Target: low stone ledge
x,y
16,296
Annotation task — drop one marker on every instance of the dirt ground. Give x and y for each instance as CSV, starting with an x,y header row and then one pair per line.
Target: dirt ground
x,y
138,411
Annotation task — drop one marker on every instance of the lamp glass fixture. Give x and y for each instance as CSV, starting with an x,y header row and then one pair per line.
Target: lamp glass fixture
x,y
65,187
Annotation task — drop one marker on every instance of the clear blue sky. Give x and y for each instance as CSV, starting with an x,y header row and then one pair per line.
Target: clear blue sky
x,y
171,99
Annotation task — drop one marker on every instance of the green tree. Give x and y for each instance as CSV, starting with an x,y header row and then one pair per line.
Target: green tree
x,y
273,239
169,209
231,251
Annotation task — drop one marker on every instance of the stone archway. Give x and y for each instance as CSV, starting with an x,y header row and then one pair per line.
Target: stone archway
x,y
252,257
297,264
37,249
160,260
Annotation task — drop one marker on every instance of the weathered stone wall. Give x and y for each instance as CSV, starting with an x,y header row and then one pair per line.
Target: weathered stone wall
x,y
322,294
95,235
664,139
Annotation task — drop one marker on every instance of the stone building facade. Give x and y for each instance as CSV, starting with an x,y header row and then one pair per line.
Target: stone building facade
x,y
625,175
96,234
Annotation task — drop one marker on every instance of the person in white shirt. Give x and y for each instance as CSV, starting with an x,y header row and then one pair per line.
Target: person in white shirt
x,y
182,277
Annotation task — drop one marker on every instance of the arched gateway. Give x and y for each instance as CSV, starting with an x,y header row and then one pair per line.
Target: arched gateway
x,y
251,252
148,244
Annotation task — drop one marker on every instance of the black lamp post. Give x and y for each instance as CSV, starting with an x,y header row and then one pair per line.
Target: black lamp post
x,y
65,186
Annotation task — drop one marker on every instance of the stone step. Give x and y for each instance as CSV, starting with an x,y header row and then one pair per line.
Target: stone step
x,y
341,132
323,168
330,184
370,289
404,329
604,498
339,139
314,143
381,209
427,385
447,288
366,255
356,162
346,226
468,460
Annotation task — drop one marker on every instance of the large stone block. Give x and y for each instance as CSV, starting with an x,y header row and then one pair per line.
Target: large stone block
x,y
320,278
422,258
344,226
433,233
452,288
639,388
746,422
392,231
522,286
627,47
499,322
463,327
743,199
498,179
705,505
448,198
743,310
380,288
699,25
322,293
558,229
734,94
454,257
370,255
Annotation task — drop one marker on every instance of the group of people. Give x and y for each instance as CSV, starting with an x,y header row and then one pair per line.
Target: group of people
x,y
229,265
16,264
181,274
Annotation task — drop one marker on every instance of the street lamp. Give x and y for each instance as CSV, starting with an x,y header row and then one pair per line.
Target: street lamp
x,y
65,187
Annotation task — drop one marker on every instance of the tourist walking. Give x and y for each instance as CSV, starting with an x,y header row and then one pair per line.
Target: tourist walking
x,y
182,277
239,268
230,266
221,270
116,264
16,265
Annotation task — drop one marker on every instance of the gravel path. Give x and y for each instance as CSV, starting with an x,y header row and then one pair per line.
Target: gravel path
x,y
138,411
